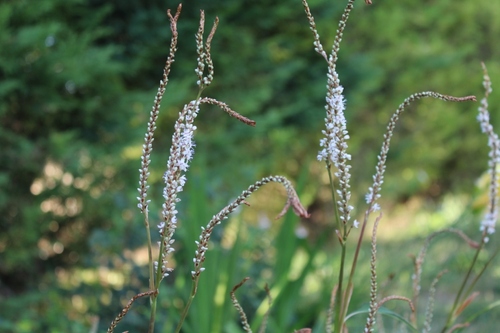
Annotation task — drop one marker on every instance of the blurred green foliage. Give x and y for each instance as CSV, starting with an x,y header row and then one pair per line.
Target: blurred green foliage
x,y
77,78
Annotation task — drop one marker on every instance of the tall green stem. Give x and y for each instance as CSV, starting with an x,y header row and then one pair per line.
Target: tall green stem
x,y
153,296
340,302
332,188
194,288
151,327
451,318
150,252
478,276
156,286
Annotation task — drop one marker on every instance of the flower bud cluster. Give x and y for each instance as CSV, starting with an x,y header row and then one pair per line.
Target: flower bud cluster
x,y
204,57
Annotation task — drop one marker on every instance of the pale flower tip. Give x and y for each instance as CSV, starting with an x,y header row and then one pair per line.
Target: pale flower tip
x,y
355,224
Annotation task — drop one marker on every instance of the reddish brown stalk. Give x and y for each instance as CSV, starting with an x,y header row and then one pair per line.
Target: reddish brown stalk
x,y
228,110
127,308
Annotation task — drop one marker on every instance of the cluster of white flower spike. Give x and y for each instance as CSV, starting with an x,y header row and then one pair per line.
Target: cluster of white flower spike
x,y
181,153
335,128
334,143
489,221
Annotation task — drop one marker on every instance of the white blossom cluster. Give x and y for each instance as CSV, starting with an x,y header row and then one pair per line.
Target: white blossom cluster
x,y
181,153
489,221
334,144
335,141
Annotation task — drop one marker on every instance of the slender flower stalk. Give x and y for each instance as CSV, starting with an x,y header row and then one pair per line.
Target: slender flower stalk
x,y
146,160
228,110
429,311
334,149
126,309
147,147
202,244
378,178
491,217
374,304
370,320
236,304
206,232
